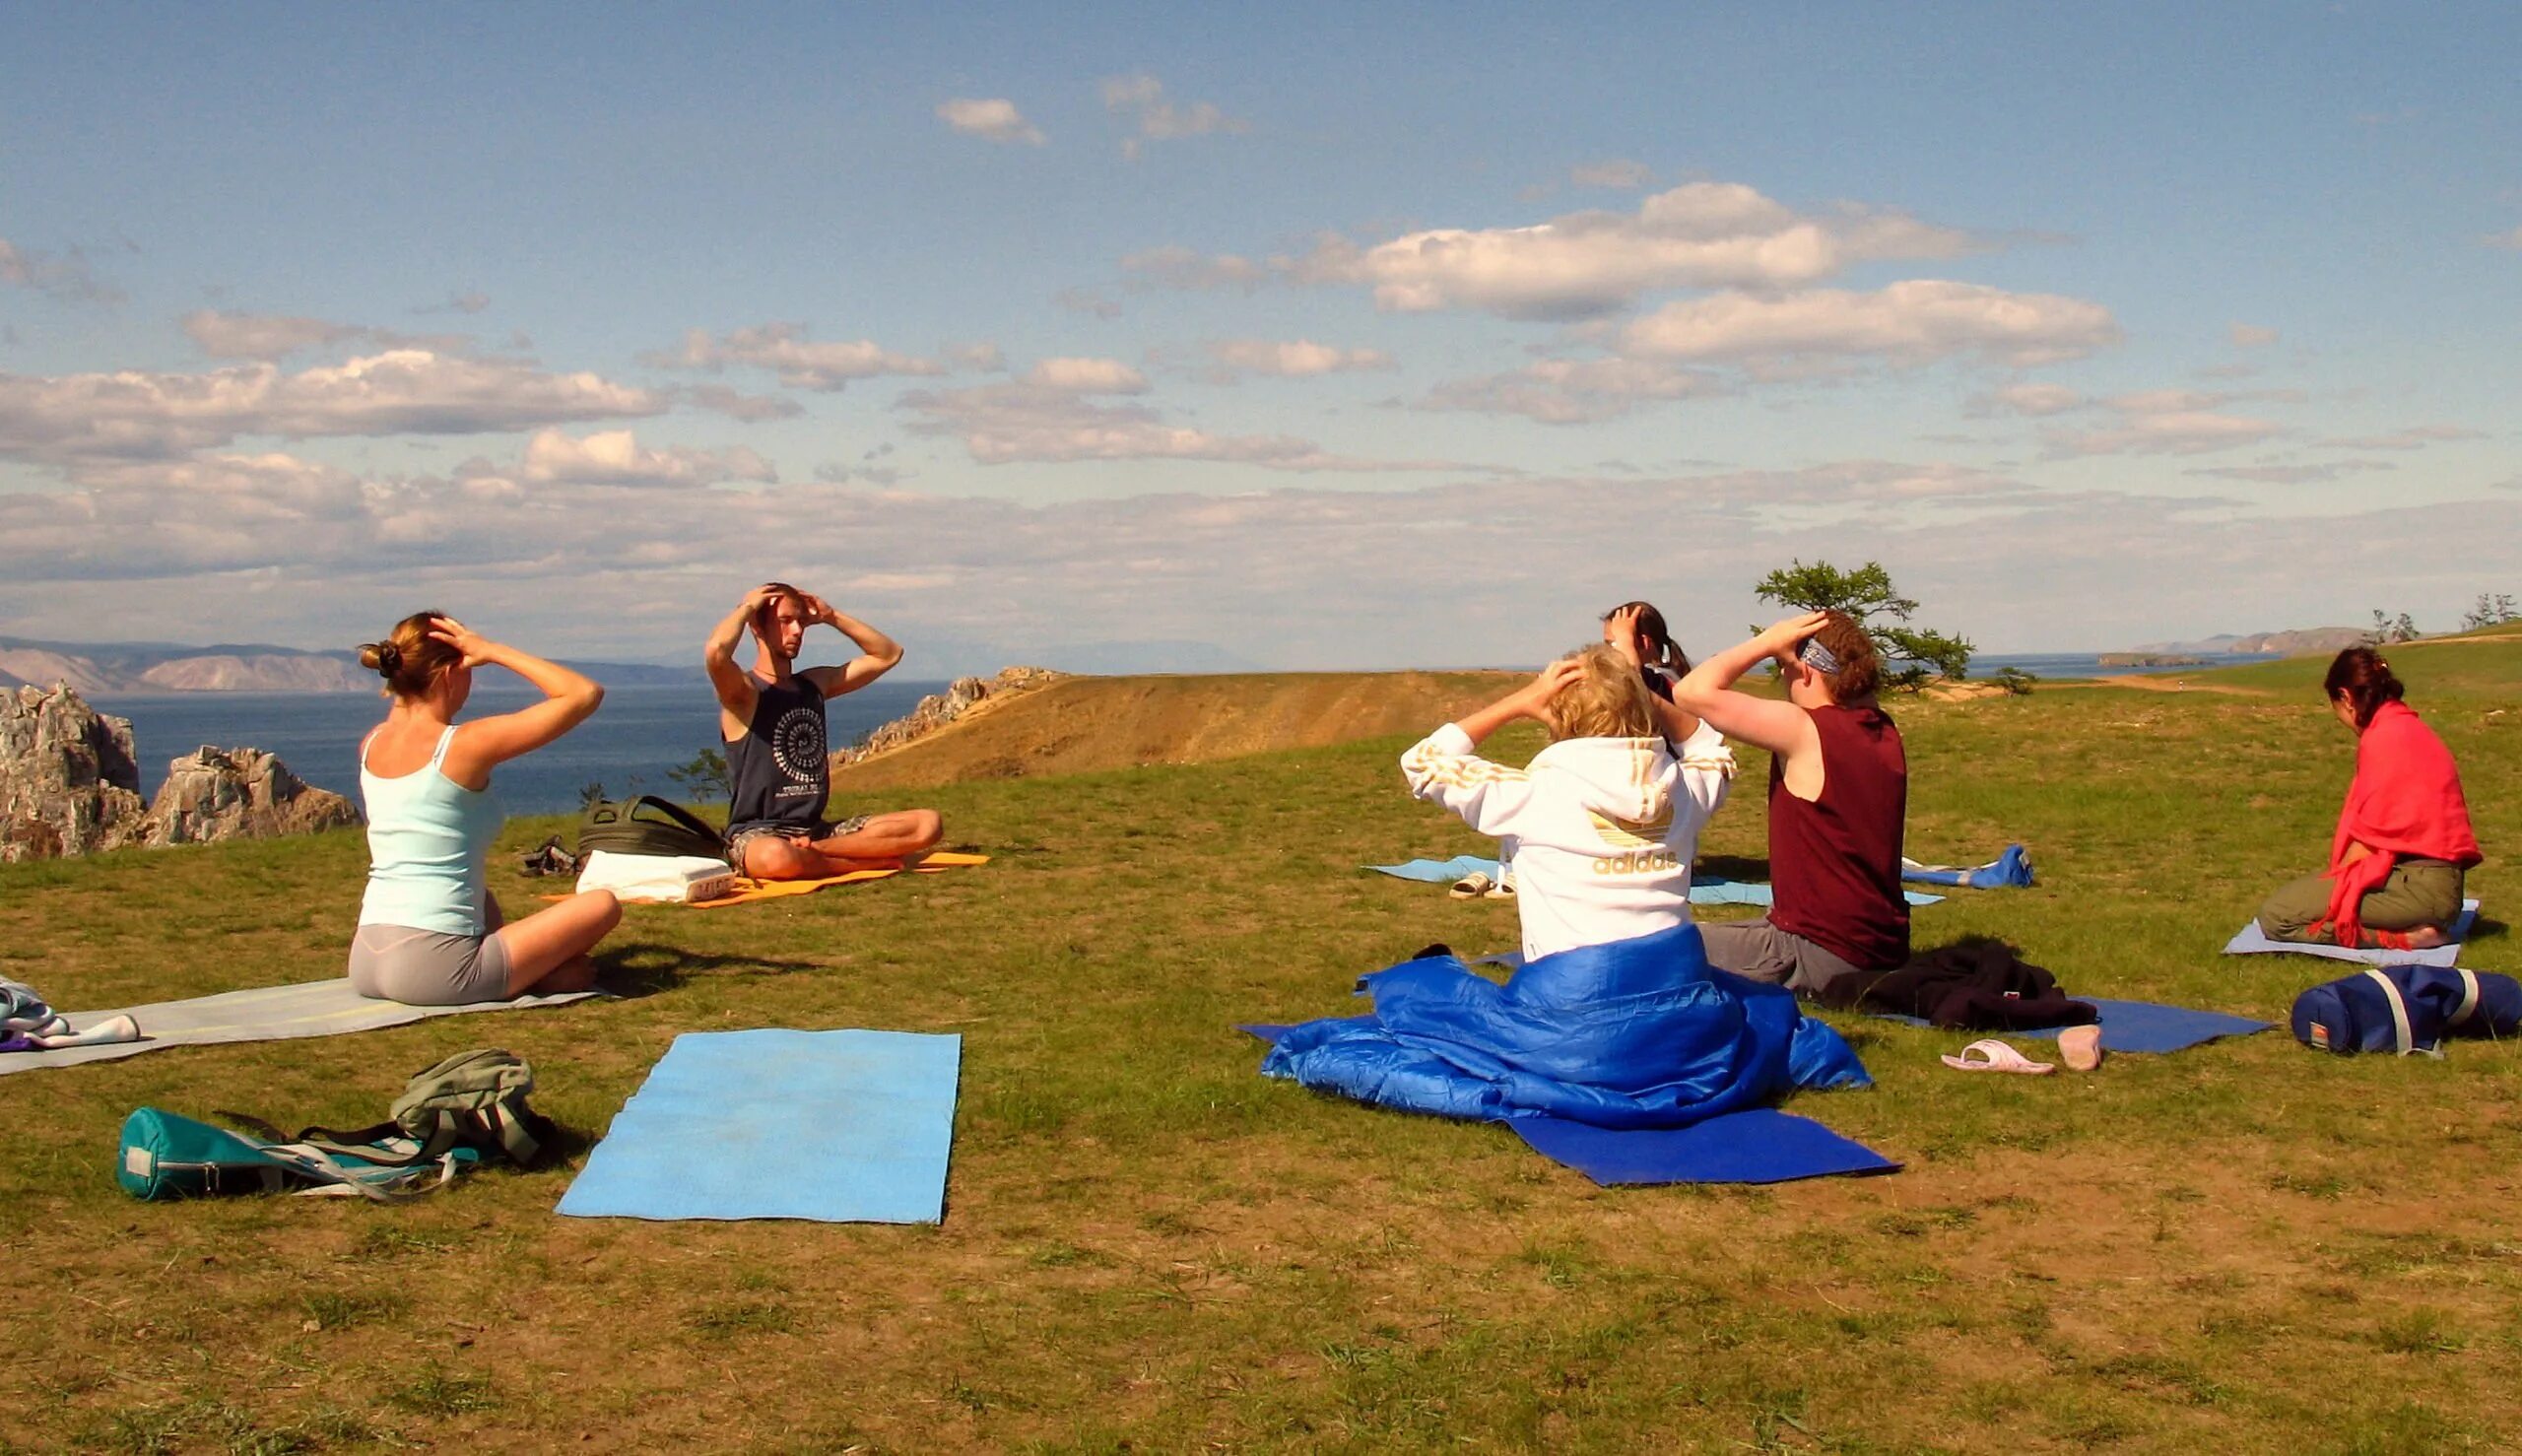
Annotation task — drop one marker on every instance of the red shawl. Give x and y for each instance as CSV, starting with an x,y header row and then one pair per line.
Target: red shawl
x,y
2406,801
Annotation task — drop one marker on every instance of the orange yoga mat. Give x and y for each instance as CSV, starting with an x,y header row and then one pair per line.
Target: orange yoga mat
x,y
754,890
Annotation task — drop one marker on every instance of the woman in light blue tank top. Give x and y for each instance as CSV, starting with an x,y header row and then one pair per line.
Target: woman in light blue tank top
x,y
430,933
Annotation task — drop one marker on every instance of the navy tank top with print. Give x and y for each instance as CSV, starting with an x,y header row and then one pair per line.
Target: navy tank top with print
x,y
782,771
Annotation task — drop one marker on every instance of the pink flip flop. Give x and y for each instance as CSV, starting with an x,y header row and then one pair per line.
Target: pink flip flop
x,y
1996,1056
2079,1047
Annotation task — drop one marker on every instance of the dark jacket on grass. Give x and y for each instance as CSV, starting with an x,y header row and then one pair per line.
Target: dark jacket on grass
x,y
1976,984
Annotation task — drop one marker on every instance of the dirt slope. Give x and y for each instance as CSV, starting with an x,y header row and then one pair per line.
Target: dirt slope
x,y
1083,724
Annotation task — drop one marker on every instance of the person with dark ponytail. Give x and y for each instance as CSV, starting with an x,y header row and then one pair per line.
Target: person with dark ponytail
x,y
2404,842
430,932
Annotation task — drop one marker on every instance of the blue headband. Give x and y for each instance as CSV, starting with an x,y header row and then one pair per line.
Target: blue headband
x,y
1818,657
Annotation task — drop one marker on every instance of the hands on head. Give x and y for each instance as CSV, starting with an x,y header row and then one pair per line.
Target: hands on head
x,y
1621,630
1535,699
471,647
1788,633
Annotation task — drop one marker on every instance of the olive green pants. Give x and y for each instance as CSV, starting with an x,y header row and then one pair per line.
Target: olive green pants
x,y
2420,892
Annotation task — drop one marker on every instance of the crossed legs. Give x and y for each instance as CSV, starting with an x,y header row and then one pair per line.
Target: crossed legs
x,y
883,842
547,950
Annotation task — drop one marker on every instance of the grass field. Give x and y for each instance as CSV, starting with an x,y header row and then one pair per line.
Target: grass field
x,y
2246,1247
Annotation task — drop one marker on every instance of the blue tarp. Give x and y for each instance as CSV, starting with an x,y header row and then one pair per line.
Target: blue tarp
x,y
1637,1033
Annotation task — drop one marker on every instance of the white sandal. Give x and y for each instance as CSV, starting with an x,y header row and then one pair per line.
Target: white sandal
x,y
1996,1056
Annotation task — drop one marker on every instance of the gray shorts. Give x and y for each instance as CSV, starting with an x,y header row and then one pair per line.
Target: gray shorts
x,y
1758,950
744,834
428,968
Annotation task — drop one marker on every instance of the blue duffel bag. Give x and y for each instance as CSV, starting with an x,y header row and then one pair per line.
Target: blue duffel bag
x,y
2406,1009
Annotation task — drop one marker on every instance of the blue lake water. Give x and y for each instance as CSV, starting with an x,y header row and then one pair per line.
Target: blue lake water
x,y
640,733
2089,664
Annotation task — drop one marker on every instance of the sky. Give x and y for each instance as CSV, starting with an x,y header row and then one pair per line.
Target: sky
x,y
1298,336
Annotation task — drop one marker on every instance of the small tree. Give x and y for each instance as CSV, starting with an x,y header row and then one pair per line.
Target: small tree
x,y
2387,629
590,794
2015,679
2491,611
1867,594
707,777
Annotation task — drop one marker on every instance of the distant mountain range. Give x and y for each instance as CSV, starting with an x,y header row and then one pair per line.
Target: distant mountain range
x,y
253,667
2291,643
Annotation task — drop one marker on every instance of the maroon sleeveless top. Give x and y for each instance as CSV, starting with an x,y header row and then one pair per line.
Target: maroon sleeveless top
x,y
1835,862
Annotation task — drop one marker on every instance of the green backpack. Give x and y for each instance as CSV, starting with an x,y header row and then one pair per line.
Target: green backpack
x,y
647,825
474,1100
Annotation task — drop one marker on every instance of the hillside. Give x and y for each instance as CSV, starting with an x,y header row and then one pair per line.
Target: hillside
x,y
1083,724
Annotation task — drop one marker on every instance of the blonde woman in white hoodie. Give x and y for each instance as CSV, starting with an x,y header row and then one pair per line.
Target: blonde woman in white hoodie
x,y
1605,821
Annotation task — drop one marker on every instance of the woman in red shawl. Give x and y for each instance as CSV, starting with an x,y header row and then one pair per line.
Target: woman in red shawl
x,y
2404,839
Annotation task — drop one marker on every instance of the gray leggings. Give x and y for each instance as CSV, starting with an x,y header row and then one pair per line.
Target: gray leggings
x,y
428,968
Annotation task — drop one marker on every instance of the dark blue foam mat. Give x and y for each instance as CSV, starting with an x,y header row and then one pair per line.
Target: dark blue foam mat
x,y
2139,1026
1759,1146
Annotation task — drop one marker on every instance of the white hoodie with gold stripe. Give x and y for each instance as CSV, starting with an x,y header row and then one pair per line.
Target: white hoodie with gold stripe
x,y
1602,831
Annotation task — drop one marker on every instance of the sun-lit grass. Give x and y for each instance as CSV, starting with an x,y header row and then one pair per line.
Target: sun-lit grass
x,y
2246,1247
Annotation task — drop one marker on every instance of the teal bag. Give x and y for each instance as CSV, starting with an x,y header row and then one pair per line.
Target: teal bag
x,y
165,1156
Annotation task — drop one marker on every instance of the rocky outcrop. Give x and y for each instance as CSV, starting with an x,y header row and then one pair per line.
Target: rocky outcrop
x,y
257,672
938,709
68,781
211,795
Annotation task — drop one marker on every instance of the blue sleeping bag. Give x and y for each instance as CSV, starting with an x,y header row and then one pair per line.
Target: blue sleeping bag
x,y
2406,1009
1638,1034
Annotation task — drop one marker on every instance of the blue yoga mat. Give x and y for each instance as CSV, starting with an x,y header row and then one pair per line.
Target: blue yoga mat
x,y
2252,942
1439,871
2139,1026
1759,1146
841,1127
1709,892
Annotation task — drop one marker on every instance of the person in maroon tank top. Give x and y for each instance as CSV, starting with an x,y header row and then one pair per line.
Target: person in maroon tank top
x,y
1839,800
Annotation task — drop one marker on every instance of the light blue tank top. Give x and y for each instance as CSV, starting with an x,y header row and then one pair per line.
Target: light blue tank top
x,y
428,838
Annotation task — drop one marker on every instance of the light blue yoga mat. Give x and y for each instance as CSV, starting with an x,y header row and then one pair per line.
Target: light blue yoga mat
x,y
2252,943
1707,892
841,1127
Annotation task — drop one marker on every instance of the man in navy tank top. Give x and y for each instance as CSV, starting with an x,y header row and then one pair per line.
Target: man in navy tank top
x,y
771,718
1838,801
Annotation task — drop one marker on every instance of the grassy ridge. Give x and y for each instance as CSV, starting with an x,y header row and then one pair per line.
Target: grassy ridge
x,y
2247,1247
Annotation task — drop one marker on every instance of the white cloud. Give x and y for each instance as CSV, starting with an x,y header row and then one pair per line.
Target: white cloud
x,y
132,414
752,409
1558,391
2028,399
261,335
1910,322
1047,417
800,362
2163,421
614,457
2252,336
2290,475
2414,437
2509,242
1088,301
983,356
1142,97
1178,267
63,275
1086,376
994,119
1988,558
1294,359
1617,174
1703,235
